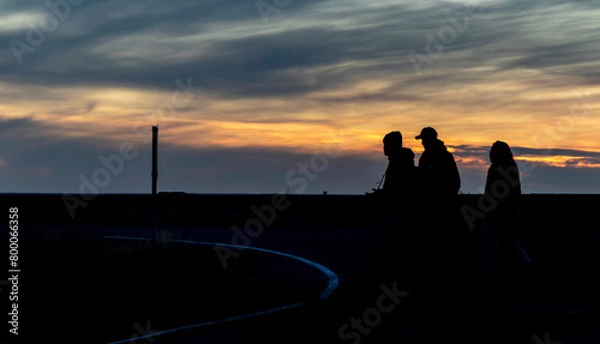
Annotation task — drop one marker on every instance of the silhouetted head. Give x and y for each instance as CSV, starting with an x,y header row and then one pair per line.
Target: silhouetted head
x,y
392,142
428,135
501,154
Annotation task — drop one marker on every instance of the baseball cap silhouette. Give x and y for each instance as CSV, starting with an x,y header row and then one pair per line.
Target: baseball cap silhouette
x,y
427,133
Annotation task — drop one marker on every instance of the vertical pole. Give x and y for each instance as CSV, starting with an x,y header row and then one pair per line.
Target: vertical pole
x,y
154,179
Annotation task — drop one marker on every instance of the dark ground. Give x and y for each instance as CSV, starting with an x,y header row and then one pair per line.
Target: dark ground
x,y
343,233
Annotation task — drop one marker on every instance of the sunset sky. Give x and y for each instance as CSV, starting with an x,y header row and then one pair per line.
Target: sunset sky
x,y
245,91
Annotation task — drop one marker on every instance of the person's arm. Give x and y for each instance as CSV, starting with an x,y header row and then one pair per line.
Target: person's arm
x,y
387,178
455,175
516,189
422,159
489,180
488,195
410,155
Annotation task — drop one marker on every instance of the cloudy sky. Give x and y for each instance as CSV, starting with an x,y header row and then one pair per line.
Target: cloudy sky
x,y
288,95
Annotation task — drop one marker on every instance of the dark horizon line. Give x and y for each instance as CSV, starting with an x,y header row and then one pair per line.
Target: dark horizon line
x,y
259,194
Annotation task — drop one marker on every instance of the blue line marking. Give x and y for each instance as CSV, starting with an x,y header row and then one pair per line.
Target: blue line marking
x,y
331,286
333,279
208,323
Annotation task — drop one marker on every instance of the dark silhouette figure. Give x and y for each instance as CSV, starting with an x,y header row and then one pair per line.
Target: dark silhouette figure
x,y
396,198
501,224
440,176
438,185
399,175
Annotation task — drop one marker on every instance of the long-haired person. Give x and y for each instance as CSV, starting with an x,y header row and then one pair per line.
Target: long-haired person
x,y
501,225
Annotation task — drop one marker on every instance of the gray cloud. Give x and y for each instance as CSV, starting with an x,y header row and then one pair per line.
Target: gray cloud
x,y
259,65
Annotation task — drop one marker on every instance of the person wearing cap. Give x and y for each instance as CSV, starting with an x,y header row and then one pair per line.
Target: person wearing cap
x,y
438,185
441,178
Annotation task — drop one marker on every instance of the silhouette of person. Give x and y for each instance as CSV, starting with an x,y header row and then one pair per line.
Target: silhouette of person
x,y
441,179
439,183
397,198
501,224
398,182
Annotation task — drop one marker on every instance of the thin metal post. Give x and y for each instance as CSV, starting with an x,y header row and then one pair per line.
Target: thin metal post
x,y
154,180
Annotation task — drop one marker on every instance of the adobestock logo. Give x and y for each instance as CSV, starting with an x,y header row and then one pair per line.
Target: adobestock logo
x,y
438,42
88,188
267,214
356,328
59,11
489,201
269,13
254,227
179,99
114,164
550,135
299,178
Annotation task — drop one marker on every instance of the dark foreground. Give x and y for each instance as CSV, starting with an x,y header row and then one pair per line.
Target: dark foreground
x,y
343,233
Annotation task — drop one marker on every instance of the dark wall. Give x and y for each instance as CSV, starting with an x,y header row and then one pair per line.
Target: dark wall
x,y
541,212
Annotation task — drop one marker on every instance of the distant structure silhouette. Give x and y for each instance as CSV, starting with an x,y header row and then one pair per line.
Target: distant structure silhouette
x,y
501,224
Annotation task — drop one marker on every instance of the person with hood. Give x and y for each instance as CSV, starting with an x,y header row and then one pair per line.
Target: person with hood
x,y
397,197
399,176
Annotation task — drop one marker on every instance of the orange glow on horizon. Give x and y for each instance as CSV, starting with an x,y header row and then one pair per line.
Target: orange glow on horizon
x,y
560,161
310,122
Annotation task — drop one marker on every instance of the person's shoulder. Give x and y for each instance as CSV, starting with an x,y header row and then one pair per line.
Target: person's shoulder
x,y
494,170
407,151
